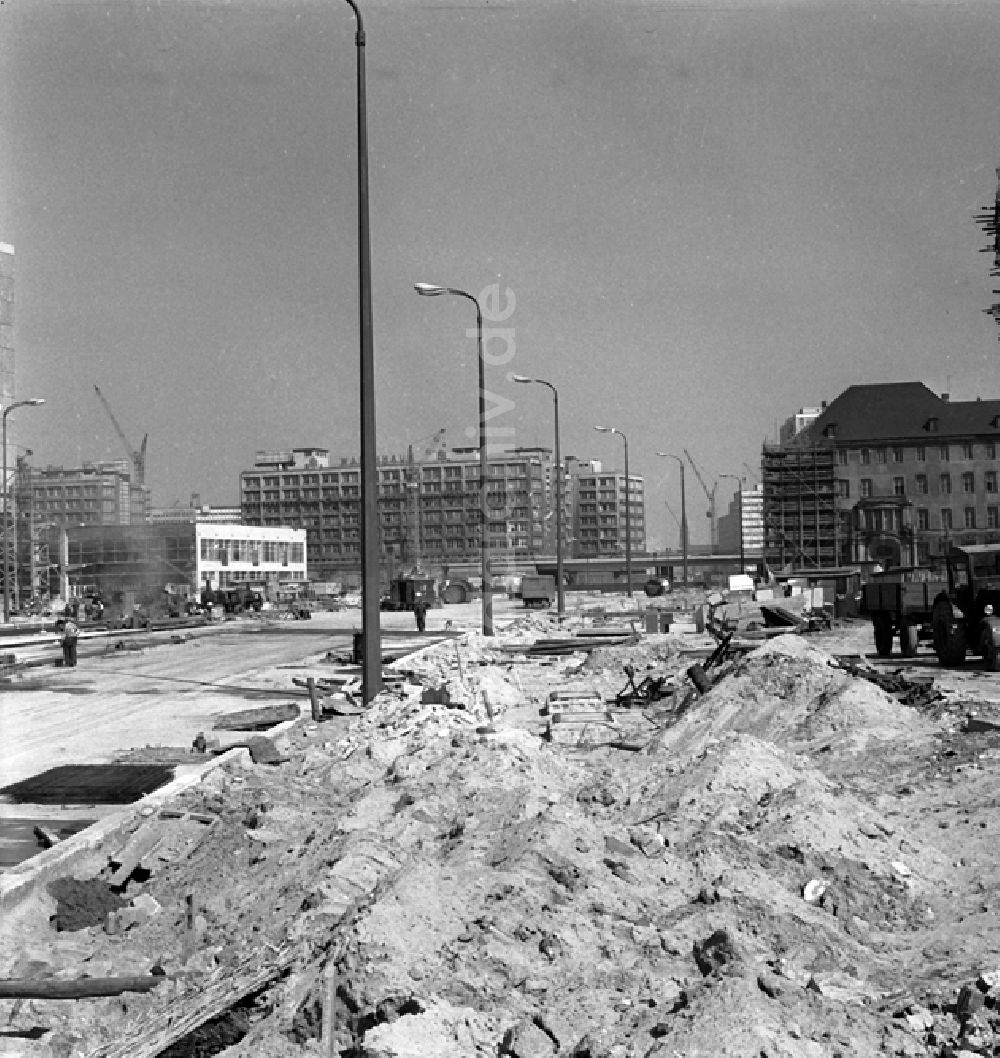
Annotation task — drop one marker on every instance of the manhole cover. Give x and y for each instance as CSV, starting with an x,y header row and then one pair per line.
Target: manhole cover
x,y
72,784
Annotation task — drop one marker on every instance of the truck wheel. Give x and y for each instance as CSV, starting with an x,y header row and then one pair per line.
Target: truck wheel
x,y
883,635
909,638
949,635
990,649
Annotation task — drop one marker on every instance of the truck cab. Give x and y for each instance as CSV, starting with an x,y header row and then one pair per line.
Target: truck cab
x,y
967,616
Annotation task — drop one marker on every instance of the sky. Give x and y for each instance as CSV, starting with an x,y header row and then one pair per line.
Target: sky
x,y
699,216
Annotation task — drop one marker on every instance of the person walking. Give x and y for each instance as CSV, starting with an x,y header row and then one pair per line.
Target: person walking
x,y
420,608
70,634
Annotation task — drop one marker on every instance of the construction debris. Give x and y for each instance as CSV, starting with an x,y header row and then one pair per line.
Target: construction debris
x,y
758,851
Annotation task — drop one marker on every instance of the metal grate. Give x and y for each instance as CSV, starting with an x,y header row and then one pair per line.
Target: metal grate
x,y
106,784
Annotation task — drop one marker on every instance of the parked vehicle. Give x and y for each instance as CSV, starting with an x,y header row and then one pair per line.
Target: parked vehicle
x,y
233,600
966,616
538,590
901,602
404,592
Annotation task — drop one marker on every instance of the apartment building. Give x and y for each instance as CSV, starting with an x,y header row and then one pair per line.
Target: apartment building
x,y
93,494
430,510
598,503
742,526
887,474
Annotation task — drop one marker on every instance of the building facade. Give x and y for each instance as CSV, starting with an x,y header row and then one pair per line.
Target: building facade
x,y
196,512
430,510
889,474
795,424
741,528
94,494
598,503
130,565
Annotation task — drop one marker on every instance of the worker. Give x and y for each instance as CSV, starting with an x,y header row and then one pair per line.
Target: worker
x,y
70,634
420,608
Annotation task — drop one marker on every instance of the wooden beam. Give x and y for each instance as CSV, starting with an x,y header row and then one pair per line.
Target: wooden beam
x,y
81,988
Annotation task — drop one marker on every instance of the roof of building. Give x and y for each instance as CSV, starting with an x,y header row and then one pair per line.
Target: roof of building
x,y
891,411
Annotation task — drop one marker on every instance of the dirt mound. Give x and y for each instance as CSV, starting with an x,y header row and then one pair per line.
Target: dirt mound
x,y
652,652
790,693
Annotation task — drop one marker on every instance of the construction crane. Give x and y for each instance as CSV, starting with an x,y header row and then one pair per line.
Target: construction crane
x,y
710,493
137,456
414,535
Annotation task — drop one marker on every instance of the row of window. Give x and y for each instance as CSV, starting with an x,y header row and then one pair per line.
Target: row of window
x,y
254,551
921,485
969,518
53,491
889,521
142,549
353,477
429,488
896,453
43,506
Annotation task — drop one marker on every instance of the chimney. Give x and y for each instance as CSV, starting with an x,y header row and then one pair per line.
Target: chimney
x,y
946,397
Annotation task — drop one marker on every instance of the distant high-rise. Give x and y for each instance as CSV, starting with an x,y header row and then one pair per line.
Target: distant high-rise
x,y
6,324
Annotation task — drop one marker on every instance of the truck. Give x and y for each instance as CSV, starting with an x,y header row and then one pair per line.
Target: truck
x,y
538,590
900,602
966,615
404,592
233,600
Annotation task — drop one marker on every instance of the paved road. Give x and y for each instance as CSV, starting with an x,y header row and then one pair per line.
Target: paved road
x,y
163,695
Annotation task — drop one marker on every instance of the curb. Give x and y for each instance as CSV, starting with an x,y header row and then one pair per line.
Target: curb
x,y
18,882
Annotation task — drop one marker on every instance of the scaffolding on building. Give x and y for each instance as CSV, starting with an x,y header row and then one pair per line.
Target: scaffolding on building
x,y
802,527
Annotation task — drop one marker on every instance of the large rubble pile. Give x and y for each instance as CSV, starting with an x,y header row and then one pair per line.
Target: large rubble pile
x,y
791,864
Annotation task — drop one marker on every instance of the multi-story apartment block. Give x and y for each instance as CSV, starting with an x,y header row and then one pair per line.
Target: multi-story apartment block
x,y
890,474
599,499
742,526
430,511
94,494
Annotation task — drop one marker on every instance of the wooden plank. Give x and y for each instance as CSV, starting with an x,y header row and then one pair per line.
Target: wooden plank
x,y
82,988
196,1007
256,719
143,844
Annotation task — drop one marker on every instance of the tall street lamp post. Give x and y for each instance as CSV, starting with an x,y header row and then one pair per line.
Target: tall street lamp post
x,y
6,561
628,507
431,290
371,662
684,521
739,499
560,590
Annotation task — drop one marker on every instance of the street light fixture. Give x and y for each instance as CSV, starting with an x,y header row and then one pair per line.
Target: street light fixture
x,y
628,508
560,591
431,290
684,522
6,563
739,498
371,644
